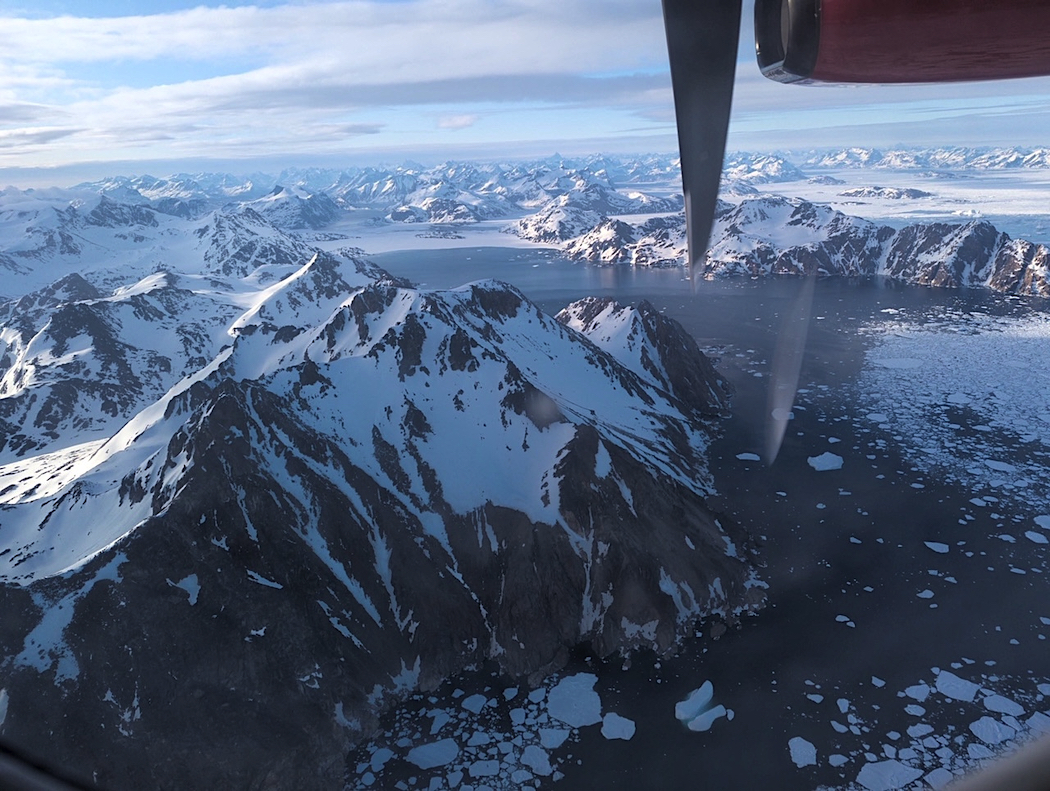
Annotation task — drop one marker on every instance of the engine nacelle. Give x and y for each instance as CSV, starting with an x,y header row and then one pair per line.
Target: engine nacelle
x,y
900,41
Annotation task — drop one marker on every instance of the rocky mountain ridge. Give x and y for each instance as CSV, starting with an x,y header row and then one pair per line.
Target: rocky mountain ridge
x,y
353,488
773,235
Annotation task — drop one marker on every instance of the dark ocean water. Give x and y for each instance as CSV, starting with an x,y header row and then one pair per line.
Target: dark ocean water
x,y
844,551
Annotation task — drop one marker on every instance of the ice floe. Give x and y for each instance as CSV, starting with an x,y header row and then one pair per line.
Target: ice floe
x,y
825,461
950,685
886,775
698,701
697,711
616,727
803,753
574,701
427,756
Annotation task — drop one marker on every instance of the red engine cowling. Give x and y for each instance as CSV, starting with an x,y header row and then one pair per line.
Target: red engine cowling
x,y
898,41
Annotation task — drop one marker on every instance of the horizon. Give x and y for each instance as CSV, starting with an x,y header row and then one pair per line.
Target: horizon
x,y
47,178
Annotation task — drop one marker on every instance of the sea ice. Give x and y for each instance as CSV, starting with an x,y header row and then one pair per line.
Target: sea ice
x,y
485,768
1043,521
696,702
706,719
952,686
899,362
825,461
919,730
999,466
1036,538
939,778
380,758
474,703
1039,723
537,760
978,751
803,753
886,775
1002,705
991,731
427,756
616,727
748,457
937,547
574,701
441,717
553,738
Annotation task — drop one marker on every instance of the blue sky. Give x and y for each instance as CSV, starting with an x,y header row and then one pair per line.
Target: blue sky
x,y
107,86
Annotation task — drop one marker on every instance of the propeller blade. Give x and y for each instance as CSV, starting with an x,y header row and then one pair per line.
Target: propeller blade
x,y
787,366
702,40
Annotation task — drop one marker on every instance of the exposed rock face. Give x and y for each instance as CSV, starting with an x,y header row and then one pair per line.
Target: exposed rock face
x,y
369,488
79,365
886,193
585,207
237,241
775,235
296,209
656,348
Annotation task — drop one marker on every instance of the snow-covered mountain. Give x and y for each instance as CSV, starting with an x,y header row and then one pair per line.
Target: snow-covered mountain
x,y
583,208
273,507
957,158
292,208
760,169
886,193
776,235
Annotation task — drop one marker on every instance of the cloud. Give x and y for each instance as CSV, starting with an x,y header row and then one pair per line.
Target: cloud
x,y
388,41
289,74
312,77
456,121
23,113
21,138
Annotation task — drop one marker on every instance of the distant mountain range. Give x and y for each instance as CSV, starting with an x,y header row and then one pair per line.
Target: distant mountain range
x,y
956,158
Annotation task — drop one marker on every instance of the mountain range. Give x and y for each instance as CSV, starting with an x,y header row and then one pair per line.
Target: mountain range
x,y
248,504
254,489
773,235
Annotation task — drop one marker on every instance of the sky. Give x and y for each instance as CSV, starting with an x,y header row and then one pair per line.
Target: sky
x,y
100,87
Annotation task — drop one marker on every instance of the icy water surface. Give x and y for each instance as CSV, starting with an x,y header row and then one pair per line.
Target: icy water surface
x,y
904,527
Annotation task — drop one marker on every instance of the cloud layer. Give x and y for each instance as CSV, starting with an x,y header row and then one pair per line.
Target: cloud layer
x,y
310,78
